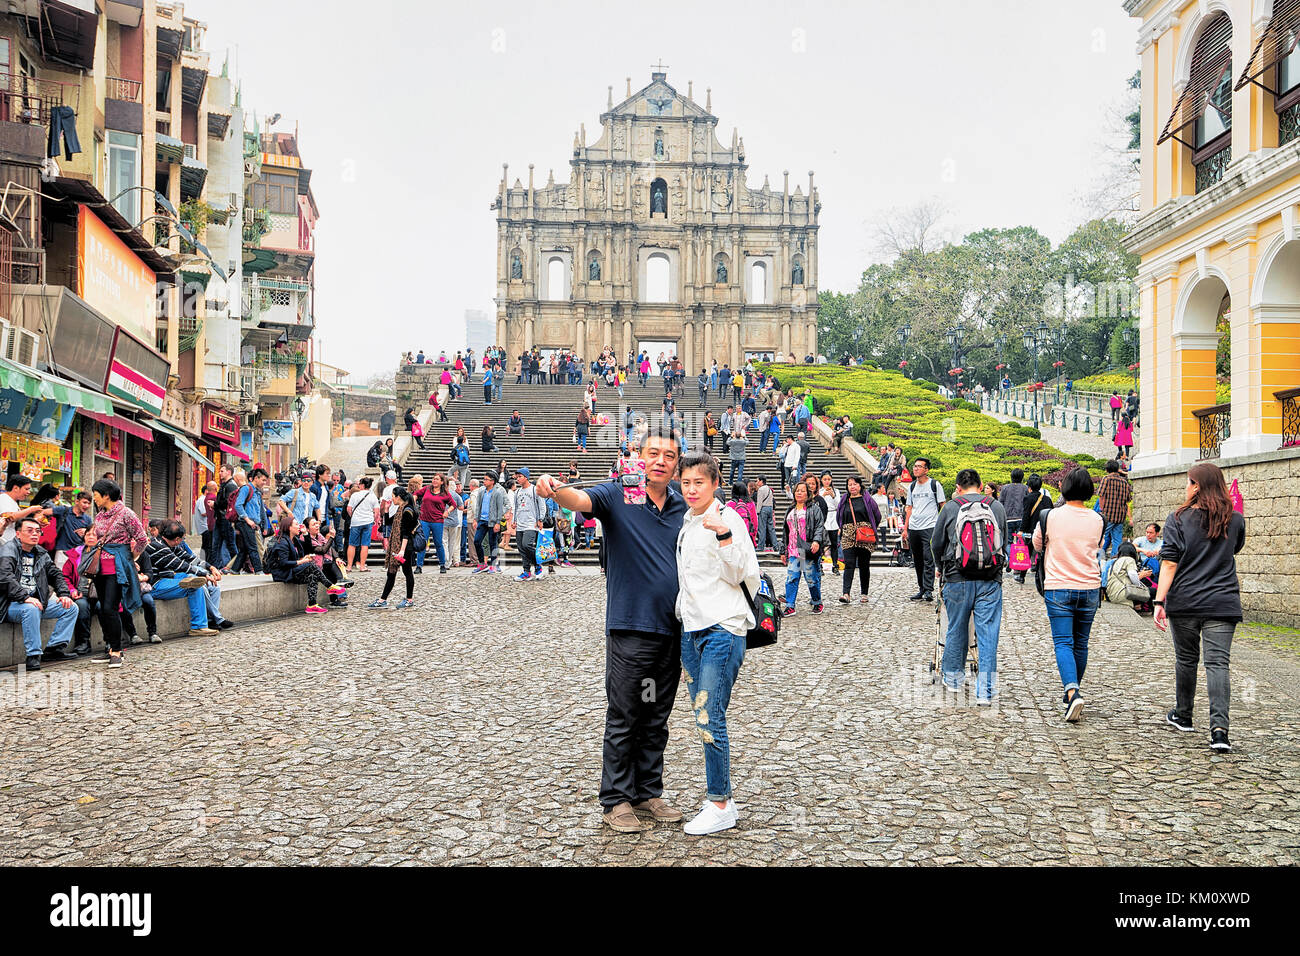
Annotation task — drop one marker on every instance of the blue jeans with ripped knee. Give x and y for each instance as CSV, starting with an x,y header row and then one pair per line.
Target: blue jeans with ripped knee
x,y
712,658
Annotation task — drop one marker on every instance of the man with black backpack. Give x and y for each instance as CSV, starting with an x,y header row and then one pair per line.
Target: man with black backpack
x,y
924,499
224,543
968,545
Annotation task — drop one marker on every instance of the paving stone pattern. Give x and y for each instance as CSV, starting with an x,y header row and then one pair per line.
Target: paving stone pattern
x,y
468,731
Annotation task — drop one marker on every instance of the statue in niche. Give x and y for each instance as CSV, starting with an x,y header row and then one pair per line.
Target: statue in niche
x,y
658,198
659,144
516,267
796,274
593,270
720,274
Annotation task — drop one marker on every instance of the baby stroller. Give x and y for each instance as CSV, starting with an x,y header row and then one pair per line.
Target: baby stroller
x,y
941,632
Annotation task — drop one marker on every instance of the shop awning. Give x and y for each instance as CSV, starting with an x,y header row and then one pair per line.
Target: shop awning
x,y
232,450
117,421
184,444
37,384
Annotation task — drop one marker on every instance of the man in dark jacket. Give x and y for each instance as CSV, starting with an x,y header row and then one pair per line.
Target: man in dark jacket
x,y
175,573
968,594
27,578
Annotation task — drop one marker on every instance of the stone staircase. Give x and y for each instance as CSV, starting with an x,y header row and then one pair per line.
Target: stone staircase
x,y
547,445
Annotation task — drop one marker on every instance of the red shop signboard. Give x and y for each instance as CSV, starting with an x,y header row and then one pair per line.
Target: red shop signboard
x,y
220,424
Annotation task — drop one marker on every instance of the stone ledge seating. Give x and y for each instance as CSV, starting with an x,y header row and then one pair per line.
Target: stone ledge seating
x,y
244,598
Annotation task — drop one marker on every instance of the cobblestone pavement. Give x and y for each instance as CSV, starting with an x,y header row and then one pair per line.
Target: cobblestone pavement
x,y
469,729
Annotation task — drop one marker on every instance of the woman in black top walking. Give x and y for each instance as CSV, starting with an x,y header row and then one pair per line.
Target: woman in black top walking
x,y
1037,500
856,511
1199,598
401,551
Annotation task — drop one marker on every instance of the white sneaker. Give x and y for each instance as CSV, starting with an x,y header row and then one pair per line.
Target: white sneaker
x,y
712,819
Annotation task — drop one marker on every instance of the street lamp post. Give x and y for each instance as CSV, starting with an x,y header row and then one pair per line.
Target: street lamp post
x,y
955,335
1131,339
1058,338
904,334
1036,339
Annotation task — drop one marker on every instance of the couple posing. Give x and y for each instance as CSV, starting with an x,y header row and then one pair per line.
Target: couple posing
x,y
674,602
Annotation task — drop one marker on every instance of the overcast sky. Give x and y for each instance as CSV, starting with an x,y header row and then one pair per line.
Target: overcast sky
x,y
406,111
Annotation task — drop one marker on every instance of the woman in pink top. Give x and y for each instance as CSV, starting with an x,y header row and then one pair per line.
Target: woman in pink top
x,y
1069,539
1124,435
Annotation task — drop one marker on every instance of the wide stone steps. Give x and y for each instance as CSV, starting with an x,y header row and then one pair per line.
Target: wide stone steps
x,y
549,413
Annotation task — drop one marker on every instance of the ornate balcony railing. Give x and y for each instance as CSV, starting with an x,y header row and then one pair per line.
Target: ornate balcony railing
x,y
1211,170
1215,425
117,88
24,99
1290,399
1288,125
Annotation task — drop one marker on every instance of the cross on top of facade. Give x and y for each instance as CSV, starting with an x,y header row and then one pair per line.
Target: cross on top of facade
x,y
660,68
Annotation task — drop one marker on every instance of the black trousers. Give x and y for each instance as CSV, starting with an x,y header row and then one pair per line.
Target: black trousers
x,y
248,548
922,559
641,676
859,558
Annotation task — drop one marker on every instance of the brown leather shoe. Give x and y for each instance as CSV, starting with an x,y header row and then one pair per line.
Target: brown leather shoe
x,y
622,819
659,808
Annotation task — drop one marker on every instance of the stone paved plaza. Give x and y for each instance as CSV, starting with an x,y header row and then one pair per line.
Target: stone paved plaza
x,y
468,731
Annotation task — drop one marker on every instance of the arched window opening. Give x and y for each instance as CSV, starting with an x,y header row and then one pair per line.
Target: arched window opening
x,y
657,279
555,279
1202,117
758,282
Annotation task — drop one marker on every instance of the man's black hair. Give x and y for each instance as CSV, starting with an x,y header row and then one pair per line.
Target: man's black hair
x,y
969,478
17,481
1112,466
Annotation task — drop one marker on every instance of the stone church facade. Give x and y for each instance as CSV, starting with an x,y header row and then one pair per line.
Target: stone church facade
x,y
657,240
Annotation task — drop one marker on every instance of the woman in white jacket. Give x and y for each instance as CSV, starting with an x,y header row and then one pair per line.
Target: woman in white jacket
x,y
714,556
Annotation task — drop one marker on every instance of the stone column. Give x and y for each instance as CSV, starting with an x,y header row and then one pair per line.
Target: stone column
x,y
529,319
580,334
708,338
785,337
627,338
501,328
687,353
735,342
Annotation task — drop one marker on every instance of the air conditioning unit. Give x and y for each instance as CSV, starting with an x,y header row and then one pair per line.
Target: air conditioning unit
x,y
21,346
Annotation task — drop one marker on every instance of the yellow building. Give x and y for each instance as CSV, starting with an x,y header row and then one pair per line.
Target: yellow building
x,y
1220,245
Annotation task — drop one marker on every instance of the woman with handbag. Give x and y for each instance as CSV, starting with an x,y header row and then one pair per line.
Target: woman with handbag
x,y
401,551
716,564
1126,582
1069,539
115,539
320,545
859,520
805,536
832,498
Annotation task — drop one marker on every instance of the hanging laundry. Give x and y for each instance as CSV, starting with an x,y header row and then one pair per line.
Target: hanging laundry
x,y
63,126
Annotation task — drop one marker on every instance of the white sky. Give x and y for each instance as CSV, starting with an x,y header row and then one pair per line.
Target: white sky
x,y
406,111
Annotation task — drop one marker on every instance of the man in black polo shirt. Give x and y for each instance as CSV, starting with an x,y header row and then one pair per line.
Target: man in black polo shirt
x,y
643,636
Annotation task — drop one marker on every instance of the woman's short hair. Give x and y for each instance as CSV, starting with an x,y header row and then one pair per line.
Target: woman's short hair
x,y
702,459
1078,485
109,489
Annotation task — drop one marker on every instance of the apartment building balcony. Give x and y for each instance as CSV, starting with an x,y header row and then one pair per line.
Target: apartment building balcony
x,y
118,88
26,105
281,305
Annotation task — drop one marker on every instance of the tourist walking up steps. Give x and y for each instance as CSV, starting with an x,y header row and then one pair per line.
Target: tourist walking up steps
x,y
1199,597
1068,540
969,548
715,615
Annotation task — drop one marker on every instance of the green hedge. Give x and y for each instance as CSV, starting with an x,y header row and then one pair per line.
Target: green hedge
x,y
885,406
